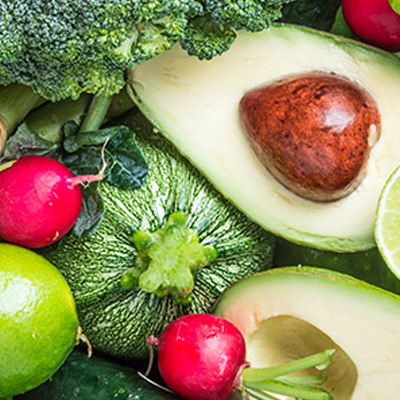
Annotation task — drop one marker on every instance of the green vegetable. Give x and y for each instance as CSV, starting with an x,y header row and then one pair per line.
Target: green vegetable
x,y
288,313
52,130
318,14
59,50
217,144
95,378
176,216
395,5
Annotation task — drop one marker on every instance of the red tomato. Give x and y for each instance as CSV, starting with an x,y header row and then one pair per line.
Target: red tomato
x,y
374,22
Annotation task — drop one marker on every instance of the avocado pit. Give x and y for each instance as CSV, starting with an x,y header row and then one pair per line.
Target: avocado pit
x,y
313,132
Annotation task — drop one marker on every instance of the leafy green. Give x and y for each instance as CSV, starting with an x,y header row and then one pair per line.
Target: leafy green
x,y
318,14
82,154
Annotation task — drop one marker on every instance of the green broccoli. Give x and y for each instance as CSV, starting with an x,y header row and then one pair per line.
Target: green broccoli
x,y
61,48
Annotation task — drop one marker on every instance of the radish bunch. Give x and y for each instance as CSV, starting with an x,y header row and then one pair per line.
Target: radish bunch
x,y
203,357
40,200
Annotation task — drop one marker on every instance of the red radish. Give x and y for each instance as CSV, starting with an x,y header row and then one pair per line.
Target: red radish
x,y
203,357
40,200
200,356
374,22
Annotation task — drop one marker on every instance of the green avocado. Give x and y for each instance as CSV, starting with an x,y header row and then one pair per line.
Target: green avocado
x,y
293,312
195,104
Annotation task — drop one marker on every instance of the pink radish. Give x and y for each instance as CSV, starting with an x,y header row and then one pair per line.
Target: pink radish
x,y
200,356
40,200
373,21
203,357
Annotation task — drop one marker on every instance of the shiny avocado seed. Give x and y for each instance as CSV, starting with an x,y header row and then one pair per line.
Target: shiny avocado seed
x,y
313,132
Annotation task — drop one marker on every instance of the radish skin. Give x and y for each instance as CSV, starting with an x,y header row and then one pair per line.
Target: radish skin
x,y
38,203
200,357
374,22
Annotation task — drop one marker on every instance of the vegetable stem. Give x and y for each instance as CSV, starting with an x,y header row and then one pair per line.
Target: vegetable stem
x,y
298,392
260,382
96,114
319,360
16,101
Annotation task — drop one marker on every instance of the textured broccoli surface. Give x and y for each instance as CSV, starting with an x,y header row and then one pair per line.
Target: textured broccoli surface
x,y
62,48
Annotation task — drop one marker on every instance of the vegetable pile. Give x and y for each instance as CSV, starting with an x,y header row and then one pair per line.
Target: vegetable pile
x,y
162,263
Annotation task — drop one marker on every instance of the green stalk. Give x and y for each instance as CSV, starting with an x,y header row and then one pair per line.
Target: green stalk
x,y
261,382
251,375
259,394
96,114
298,392
16,101
48,120
120,104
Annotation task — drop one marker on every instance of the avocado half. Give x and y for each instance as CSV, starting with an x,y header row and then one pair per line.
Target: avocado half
x,y
195,105
289,313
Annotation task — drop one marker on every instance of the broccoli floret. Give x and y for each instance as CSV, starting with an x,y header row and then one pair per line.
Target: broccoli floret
x,y
61,48
249,15
205,39
65,48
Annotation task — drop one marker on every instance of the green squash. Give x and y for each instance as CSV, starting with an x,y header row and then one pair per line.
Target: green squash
x,y
116,315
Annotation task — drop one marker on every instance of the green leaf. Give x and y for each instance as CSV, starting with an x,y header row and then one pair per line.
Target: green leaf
x,y
318,14
77,141
25,141
91,213
395,5
126,166
129,167
340,26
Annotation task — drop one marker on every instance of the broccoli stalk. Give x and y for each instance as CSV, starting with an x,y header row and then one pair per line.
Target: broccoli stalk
x,y
49,120
15,103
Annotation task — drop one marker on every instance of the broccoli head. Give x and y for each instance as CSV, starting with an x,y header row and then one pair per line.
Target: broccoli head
x,y
62,48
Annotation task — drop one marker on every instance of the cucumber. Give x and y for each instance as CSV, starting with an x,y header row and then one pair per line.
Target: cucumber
x,y
367,265
102,269
95,378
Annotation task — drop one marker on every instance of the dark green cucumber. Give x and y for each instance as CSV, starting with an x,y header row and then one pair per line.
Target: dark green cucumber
x,y
118,318
95,378
365,265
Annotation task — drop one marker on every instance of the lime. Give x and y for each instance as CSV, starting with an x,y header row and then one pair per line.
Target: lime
x,y
387,223
38,320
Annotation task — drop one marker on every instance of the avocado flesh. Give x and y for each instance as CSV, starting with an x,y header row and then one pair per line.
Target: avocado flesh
x,y
195,104
289,313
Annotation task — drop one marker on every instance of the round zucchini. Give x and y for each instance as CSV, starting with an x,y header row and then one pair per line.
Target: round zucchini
x,y
118,316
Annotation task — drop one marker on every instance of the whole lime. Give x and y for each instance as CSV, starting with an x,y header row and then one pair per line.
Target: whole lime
x,y
38,320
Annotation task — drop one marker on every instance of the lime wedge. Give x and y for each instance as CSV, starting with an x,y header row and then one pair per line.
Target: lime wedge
x,y
387,223
395,5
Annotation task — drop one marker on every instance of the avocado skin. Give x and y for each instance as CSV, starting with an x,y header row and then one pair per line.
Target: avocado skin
x,y
367,265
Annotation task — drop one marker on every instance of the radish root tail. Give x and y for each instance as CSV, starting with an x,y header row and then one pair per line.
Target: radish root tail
x,y
84,180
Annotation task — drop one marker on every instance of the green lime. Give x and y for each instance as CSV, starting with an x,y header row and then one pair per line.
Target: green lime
x,y
38,320
387,223
395,5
